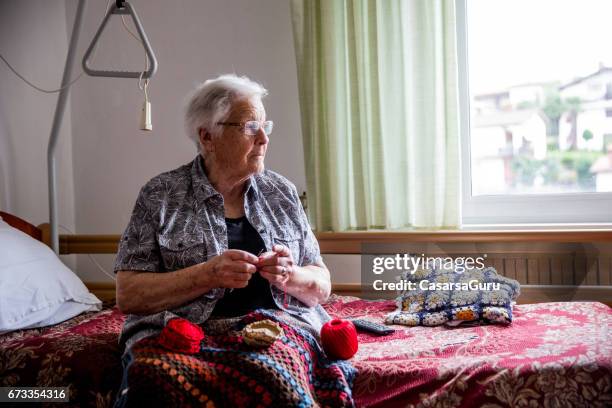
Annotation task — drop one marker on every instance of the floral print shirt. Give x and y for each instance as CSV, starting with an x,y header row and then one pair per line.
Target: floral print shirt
x,y
179,221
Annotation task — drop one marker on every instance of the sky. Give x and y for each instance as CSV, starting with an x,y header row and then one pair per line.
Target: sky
x,y
513,42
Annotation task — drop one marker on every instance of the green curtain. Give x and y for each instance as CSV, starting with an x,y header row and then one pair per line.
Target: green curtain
x,y
379,103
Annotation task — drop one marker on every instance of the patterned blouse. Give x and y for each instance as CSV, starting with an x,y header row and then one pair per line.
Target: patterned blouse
x,y
179,221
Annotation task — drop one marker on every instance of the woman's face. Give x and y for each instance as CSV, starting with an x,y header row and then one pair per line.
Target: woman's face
x,y
234,152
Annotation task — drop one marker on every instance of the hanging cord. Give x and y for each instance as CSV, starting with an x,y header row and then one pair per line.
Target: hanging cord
x,y
143,86
49,91
100,267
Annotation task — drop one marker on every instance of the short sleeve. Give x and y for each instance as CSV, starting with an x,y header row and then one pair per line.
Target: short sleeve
x,y
312,253
138,248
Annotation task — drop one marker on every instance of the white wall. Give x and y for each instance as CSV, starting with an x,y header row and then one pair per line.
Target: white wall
x,y
103,158
33,39
194,41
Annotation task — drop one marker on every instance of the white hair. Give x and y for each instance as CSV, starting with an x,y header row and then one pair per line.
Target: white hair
x,y
212,100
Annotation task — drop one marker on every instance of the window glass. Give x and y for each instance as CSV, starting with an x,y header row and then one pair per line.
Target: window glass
x,y
540,85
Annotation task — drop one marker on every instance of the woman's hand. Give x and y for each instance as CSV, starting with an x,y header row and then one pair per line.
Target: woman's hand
x,y
232,269
277,265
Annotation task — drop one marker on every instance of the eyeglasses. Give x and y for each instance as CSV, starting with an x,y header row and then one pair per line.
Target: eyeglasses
x,y
251,127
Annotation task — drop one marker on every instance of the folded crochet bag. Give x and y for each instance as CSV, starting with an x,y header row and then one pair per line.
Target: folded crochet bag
x,y
439,296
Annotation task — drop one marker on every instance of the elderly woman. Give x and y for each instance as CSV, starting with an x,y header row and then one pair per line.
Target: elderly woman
x,y
213,241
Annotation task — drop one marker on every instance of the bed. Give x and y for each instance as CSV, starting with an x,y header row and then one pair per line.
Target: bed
x,y
553,354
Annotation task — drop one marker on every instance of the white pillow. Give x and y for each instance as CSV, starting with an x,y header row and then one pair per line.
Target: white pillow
x,y
36,288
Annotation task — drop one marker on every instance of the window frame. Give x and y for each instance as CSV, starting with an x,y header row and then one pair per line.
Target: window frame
x,y
580,209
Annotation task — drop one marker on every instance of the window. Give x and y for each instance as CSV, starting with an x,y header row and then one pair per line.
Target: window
x,y
535,111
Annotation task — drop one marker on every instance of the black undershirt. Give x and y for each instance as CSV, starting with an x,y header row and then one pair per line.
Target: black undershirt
x,y
241,235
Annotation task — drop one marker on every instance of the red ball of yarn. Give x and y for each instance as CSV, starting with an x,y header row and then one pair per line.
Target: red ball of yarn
x,y
182,336
339,339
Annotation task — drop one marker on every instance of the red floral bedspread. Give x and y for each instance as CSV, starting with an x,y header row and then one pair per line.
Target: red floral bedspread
x,y
553,354
81,353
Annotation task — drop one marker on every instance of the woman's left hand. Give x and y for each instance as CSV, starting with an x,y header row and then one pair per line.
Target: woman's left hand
x,y
277,265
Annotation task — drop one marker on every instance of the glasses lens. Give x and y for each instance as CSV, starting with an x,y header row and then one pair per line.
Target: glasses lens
x,y
251,127
268,126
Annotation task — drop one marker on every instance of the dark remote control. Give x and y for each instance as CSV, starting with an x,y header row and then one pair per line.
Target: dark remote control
x,y
368,326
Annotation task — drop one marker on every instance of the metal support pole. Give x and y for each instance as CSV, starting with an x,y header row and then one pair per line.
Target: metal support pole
x,y
57,123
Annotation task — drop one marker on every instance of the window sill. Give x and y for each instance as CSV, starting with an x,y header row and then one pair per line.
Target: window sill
x,y
537,227
352,242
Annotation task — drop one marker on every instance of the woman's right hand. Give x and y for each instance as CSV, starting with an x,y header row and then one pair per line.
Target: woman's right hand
x,y
232,269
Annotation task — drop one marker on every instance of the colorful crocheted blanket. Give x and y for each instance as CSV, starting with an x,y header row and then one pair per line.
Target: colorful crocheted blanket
x,y
292,372
443,296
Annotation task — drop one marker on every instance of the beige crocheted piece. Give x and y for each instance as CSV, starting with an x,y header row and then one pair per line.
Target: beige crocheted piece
x,y
262,333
